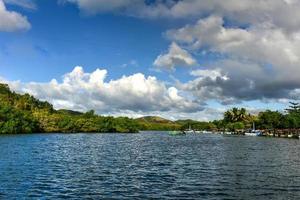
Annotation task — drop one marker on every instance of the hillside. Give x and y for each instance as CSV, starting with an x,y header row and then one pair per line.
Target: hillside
x,y
156,123
26,114
155,119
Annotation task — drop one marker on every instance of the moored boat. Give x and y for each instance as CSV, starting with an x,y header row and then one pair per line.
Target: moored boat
x,y
189,131
227,133
207,132
175,133
253,132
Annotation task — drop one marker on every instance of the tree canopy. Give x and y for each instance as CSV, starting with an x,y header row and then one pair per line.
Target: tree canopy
x,y
26,114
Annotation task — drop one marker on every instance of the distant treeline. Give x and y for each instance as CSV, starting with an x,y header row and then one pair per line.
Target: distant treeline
x,y
26,114
233,120
240,119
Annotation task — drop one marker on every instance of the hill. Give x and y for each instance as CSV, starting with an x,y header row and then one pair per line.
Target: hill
x,y
69,112
155,123
155,119
158,123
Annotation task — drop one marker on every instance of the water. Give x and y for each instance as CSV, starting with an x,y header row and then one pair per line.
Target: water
x,y
148,166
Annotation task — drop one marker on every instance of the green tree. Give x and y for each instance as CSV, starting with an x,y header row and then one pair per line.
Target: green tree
x,y
236,115
294,108
270,119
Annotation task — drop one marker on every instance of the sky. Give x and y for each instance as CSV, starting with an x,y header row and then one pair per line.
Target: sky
x,y
172,58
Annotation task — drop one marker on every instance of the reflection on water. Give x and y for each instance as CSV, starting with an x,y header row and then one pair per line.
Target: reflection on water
x,y
148,165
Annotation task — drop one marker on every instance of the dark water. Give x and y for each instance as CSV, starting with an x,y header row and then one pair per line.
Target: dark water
x,y
147,166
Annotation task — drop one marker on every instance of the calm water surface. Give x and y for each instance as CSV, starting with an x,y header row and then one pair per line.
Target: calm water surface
x,y
147,166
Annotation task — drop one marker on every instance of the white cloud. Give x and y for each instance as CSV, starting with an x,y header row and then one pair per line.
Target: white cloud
x,y
12,21
257,44
206,73
176,56
260,43
282,13
28,4
83,91
260,62
232,81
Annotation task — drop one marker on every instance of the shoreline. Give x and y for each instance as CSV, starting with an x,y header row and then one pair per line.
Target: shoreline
x,y
266,134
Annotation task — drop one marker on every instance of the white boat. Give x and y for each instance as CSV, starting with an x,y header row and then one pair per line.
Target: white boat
x,y
175,133
253,132
188,131
207,132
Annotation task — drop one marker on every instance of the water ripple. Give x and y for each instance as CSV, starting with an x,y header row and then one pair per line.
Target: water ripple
x,y
148,166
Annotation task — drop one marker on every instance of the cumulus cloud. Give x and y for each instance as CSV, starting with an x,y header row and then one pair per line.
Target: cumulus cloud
x,y
259,62
232,82
258,43
12,21
176,56
83,91
282,13
261,43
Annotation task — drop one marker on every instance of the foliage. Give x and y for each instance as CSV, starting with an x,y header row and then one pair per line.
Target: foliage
x,y
292,118
196,125
264,120
236,115
270,119
235,126
294,108
26,114
15,121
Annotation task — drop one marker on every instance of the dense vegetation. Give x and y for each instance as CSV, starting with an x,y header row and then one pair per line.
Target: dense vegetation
x,y
25,114
236,118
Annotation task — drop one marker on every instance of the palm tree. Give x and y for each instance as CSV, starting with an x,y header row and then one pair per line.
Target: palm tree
x,y
243,115
236,115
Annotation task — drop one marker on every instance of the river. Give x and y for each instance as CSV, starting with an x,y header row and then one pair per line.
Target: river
x,y
147,166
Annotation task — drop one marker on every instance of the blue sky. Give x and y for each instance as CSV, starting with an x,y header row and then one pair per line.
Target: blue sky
x,y
176,59
61,38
